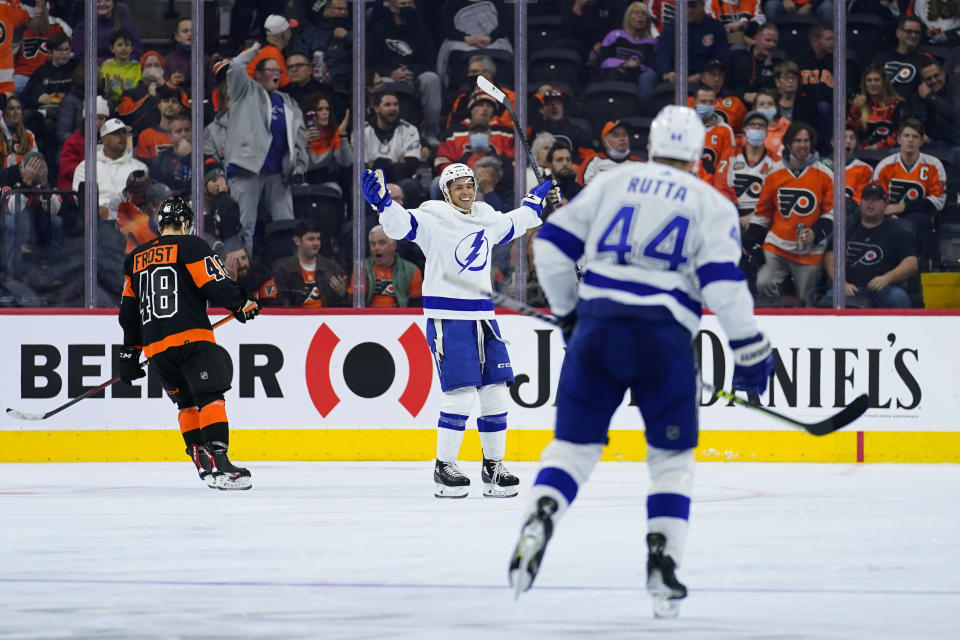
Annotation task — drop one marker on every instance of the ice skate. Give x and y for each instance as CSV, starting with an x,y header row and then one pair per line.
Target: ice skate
x,y
450,483
228,476
204,463
662,583
528,554
497,481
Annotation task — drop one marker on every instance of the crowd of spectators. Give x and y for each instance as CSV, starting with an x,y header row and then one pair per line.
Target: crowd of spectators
x,y
278,139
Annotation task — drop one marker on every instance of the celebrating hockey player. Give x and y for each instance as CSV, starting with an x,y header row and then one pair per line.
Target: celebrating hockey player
x,y
167,284
657,243
456,236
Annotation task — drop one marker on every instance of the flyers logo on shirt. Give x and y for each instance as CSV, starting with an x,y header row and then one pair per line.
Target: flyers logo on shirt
x,y
747,184
864,253
906,191
801,202
709,160
368,369
900,72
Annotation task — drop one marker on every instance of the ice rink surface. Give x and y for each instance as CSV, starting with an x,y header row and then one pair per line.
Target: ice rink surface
x,y
364,550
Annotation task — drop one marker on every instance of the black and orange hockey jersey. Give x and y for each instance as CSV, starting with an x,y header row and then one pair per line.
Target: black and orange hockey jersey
x,y
167,284
921,186
787,200
858,175
718,145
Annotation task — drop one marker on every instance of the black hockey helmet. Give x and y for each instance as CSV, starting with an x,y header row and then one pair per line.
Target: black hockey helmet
x,y
174,210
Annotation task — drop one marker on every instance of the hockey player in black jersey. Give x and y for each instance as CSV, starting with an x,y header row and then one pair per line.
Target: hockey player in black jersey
x,y
167,284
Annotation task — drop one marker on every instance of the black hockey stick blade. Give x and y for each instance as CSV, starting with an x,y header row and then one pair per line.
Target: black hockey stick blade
x,y
490,89
835,422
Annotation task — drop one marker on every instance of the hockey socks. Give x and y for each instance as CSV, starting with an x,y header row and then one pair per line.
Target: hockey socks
x,y
450,430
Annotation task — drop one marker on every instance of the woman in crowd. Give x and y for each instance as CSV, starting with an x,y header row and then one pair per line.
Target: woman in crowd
x,y
327,144
628,54
876,111
766,103
17,141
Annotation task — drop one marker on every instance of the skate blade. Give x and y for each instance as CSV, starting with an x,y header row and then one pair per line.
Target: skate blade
x,y
443,491
521,578
665,607
491,490
241,483
210,480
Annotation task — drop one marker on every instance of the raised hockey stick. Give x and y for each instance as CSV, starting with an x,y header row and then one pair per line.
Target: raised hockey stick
x,y
489,88
837,421
23,415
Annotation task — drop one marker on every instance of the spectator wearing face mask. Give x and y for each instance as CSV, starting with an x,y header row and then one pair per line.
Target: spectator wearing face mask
x,y
456,139
616,149
138,106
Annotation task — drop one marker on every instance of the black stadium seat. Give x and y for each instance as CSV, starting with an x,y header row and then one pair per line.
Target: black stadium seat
x,y
663,94
606,101
550,65
793,32
864,36
639,133
542,31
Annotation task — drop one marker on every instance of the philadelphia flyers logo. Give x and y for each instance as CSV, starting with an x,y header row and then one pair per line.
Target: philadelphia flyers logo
x,y
864,253
900,72
745,183
3,33
368,369
906,191
801,202
709,160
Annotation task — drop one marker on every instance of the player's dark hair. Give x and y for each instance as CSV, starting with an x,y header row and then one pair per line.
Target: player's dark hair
x,y
796,127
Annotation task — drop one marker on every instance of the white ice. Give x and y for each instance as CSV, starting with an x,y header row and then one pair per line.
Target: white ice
x,y
364,550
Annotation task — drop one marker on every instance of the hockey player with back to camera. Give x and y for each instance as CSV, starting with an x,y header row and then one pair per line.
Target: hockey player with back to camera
x,y
167,284
657,245
456,235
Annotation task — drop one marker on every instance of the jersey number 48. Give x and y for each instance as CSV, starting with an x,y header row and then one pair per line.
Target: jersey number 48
x,y
663,245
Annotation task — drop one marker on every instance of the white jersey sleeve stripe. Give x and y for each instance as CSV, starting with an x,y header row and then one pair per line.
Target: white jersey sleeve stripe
x,y
641,289
715,271
569,244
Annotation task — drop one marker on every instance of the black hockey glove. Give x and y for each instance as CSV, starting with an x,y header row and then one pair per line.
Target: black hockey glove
x,y
248,310
128,366
567,324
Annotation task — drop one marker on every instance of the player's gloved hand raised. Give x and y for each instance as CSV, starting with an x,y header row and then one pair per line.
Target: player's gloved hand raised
x,y
554,195
534,199
128,365
752,363
248,310
371,191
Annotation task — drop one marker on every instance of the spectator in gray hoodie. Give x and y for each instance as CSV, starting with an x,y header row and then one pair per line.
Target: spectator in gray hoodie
x,y
265,144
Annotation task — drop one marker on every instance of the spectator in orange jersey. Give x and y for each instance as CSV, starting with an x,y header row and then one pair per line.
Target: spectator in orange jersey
x,y
391,280
308,279
876,111
154,139
457,139
13,18
718,143
16,140
729,107
128,209
34,50
767,105
916,183
858,173
737,16
278,35
800,192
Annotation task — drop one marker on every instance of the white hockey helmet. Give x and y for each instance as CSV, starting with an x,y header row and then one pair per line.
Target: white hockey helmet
x,y
451,173
676,133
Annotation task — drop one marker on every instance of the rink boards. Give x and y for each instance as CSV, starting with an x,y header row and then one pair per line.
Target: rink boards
x,y
350,385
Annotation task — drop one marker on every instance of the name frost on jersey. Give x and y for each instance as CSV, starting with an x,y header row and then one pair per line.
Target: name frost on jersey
x,y
864,253
906,190
469,249
799,201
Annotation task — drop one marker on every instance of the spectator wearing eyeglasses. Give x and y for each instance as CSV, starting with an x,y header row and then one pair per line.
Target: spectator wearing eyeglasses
x,y
940,109
902,65
302,82
278,32
51,81
266,141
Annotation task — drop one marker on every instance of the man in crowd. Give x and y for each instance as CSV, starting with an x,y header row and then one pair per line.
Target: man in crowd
x,y
486,67
707,41
391,143
307,279
265,142
391,280
153,139
457,139
171,166
616,149
793,218
553,120
749,70
903,63
113,163
562,170
302,82
879,256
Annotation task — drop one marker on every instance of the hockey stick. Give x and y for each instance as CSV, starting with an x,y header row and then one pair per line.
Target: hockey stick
x,y
488,87
837,421
23,415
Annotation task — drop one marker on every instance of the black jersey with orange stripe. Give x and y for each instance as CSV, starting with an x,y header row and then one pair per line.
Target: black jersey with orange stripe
x,y
167,283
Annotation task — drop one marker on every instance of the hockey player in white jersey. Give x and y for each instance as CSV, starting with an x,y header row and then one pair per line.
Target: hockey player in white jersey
x,y
457,235
657,243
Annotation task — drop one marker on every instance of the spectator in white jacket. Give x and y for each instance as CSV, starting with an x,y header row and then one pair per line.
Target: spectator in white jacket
x,y
115,162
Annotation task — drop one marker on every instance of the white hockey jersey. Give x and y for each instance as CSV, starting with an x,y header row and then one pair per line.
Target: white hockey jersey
x,y
457,246
651,236
746,179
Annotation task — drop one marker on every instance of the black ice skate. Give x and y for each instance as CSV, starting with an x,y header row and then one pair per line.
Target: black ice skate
x,y
450,483
204,463
228,476
528,554
662,583
497,481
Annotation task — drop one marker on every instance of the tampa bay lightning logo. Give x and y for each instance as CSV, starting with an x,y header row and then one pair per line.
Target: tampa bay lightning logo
x,y
471,249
